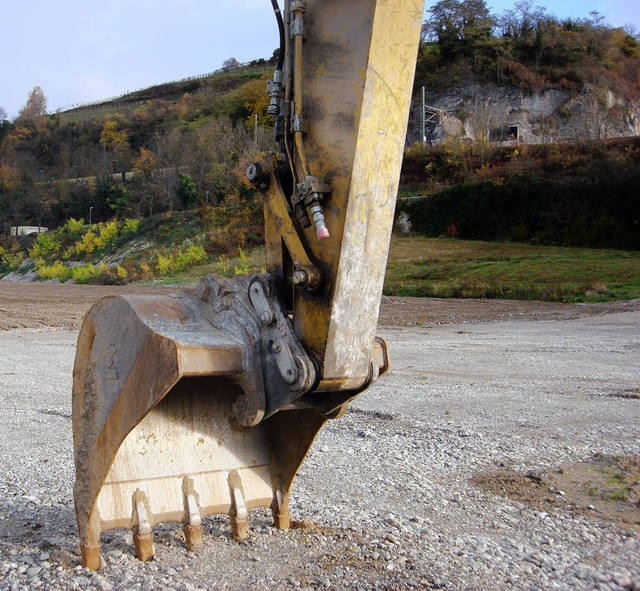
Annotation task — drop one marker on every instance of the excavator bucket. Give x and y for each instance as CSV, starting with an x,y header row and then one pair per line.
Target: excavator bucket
x,y
168,412
206,401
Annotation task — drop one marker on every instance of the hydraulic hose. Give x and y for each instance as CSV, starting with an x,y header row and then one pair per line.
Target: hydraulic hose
x,y
278,13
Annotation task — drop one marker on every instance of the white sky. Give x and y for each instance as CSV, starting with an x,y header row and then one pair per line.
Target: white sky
x,y
80,51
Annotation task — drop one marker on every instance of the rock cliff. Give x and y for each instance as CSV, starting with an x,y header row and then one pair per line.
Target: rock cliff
x,y
510,115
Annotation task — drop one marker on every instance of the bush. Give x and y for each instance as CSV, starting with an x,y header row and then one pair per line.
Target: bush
x,y
130,227
84,274
10,260
188,257
47,244
74,227
108,234
164,265
581,195
57,270
87,244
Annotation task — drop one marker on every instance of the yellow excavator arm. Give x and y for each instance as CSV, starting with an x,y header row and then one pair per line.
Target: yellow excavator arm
x,y
207,401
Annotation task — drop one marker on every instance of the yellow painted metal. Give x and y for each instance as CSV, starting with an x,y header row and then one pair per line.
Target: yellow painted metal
x,y
154,391
359,64
168,419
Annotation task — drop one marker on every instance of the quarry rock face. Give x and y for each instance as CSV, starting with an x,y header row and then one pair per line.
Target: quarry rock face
x,y
505,114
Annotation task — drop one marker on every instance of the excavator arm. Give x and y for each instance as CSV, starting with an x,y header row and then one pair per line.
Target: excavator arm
x,y
207,401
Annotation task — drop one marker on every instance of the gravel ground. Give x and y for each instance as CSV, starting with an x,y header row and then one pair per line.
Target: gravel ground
x,y
384,500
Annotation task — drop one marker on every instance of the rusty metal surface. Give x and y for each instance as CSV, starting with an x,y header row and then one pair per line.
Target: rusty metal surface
x,y
357,75
169,395
204,402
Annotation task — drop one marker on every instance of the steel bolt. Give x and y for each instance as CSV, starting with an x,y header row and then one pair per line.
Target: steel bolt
x,y
300,278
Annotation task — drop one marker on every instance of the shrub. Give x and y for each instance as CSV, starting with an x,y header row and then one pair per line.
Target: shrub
x,y
57,270
130,227
164,265
47,244
9,260
87,244
108,234
187,257
190,256
74,227
84,274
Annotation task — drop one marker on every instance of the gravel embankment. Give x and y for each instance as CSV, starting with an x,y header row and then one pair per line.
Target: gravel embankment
x,y
385,492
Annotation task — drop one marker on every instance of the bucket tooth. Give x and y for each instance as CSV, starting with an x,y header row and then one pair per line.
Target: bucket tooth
x,y
90,556
193,527
142,531
280,510
238,513
144,546
192,536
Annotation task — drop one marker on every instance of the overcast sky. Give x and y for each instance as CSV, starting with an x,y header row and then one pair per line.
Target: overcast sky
x,y
80,51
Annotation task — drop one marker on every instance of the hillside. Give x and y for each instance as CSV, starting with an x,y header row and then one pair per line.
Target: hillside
x,y
179,144
176,153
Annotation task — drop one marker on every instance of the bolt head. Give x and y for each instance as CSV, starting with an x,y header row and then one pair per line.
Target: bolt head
x,y
300,278
265,317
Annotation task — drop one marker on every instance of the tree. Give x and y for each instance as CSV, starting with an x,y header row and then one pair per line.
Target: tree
x,y
256,100
171,150
186,191
145,163
115,140
230,64
35,107
462,28
119,200
3,115
521,21
143,183
597,114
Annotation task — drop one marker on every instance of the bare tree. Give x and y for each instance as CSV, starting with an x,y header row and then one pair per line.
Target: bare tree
x,y
545,127
521,21
597,116
170,150
3,114
230,64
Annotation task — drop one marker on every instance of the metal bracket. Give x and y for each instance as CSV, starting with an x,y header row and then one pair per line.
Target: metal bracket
x,y
263,176
312,187
278,368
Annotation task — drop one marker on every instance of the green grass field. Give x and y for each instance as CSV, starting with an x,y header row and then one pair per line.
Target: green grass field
x,y
441,267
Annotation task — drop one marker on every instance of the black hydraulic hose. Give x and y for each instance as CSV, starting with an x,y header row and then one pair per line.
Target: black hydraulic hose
x,y
278,13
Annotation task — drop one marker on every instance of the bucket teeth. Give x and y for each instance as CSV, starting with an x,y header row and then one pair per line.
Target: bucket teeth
x,y
239,515
280,510
193,528
192,536
163,443
142,531
90,556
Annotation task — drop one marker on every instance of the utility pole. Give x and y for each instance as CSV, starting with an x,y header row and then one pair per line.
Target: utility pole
x,y
424,116
255,131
